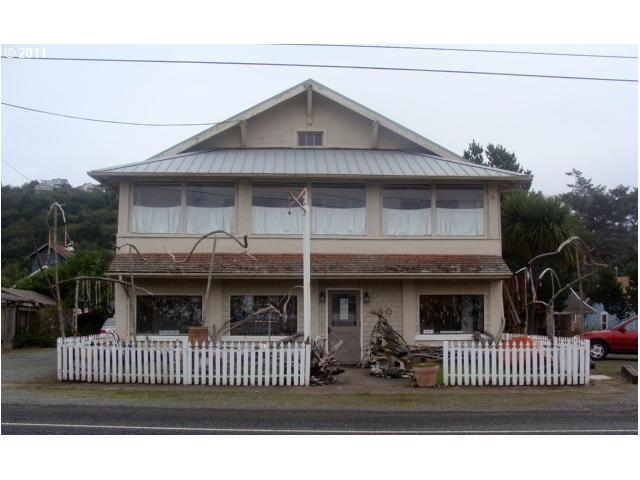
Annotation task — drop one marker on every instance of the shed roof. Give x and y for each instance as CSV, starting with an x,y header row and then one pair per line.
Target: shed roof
x,y
575,304
17,295
345,163
322,265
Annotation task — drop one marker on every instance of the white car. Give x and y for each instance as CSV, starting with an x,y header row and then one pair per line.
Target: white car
x,y
108,326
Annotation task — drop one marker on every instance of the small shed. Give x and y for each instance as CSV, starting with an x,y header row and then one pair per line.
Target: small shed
x,y
19,309
570,320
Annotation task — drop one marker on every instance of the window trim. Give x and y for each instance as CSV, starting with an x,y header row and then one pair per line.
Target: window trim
x,y
162,337
258,338
366,210
182,230
429,186
434,212
419,336
308,185
321,131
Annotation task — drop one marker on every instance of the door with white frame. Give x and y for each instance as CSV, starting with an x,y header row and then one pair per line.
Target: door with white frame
x,y
343,324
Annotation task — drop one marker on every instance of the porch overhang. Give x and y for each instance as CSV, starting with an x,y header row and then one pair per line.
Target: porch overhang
x,y
227,265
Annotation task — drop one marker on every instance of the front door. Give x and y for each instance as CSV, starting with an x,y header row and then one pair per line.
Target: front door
x,y
344,324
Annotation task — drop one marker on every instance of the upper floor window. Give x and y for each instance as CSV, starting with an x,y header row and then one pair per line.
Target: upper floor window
x,y
460,210
210,207
156,208
406,210
270,212
310,139
338,209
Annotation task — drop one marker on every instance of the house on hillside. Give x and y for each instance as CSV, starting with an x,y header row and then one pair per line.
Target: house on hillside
x,y
400,225
46,257
51,185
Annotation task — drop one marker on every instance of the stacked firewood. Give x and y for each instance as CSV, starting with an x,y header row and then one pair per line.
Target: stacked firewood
x,y
324,363
389,354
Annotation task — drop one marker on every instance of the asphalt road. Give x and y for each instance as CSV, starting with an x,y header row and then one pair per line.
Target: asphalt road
x,y
52,419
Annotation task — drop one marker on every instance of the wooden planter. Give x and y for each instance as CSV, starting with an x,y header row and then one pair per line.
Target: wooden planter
x,y
426,376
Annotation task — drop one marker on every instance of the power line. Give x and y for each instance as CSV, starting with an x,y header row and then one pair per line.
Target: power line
x,y
335,66
110,121
16,170
452,49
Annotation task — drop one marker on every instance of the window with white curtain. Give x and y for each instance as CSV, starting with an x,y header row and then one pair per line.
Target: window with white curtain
x,y
338,209
210,207
270,212
156,207
406,210
460,210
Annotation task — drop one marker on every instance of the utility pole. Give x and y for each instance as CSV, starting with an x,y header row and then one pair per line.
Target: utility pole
x,y
302,200
55,207
306,263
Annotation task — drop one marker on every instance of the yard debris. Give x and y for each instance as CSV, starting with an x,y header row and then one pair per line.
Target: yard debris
x,y
324,364
389,354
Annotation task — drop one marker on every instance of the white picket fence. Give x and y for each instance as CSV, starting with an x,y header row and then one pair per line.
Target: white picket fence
x,y
99,359
563,361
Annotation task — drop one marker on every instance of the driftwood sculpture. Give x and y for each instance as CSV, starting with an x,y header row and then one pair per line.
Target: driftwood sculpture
x,y
324,364
389,354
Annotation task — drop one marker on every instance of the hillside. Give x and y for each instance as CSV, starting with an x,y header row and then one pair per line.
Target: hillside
x,y
91,223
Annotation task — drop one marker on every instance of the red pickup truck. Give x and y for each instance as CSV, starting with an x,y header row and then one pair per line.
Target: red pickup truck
x,y
620,339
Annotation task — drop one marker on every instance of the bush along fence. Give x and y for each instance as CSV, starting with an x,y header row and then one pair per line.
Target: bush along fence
x,y
524,361
99,359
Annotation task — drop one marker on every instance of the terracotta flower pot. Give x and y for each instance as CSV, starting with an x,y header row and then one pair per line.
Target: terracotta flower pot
x,y
426,376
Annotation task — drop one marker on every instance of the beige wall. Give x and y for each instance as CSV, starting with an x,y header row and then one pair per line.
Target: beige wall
x,y
373,242
278,127
398,300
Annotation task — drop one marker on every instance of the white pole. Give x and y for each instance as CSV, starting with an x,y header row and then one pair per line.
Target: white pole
x,y
306,260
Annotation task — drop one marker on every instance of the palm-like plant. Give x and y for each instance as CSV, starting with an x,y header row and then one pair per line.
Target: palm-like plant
x,y
533,223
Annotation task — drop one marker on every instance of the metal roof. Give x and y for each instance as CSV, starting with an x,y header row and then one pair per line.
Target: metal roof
x,y
274,162
25,296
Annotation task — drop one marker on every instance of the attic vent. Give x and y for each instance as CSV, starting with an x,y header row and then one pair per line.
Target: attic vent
x,y
310,139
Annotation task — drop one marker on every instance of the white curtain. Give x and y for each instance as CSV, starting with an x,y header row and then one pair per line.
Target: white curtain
x,y
406,222
460,221
266,220
338,221
206,219
156,220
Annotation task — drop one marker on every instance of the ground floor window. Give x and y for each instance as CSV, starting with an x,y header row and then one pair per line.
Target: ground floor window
x,y
263,315
168,314
451,314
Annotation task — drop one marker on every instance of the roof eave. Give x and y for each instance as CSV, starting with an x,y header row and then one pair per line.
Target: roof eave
x,y
111,176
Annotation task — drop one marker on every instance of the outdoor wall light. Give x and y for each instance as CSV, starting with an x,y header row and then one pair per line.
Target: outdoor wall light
x,y
322,297
365,297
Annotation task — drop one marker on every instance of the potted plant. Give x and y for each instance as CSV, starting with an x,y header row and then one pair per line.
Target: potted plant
x,y
426,373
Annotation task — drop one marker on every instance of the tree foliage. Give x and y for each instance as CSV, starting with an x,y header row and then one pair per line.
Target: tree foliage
x,y
495,156
532,224
609,217
604,288
91,219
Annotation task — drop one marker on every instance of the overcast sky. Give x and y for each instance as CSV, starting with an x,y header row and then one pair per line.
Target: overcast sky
x,y
553,125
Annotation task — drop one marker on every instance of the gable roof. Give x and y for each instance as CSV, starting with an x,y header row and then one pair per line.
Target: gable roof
x,y
61,249
309,163
326,92
575,304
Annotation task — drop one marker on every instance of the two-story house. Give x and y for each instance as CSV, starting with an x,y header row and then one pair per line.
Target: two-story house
x,y
400,225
